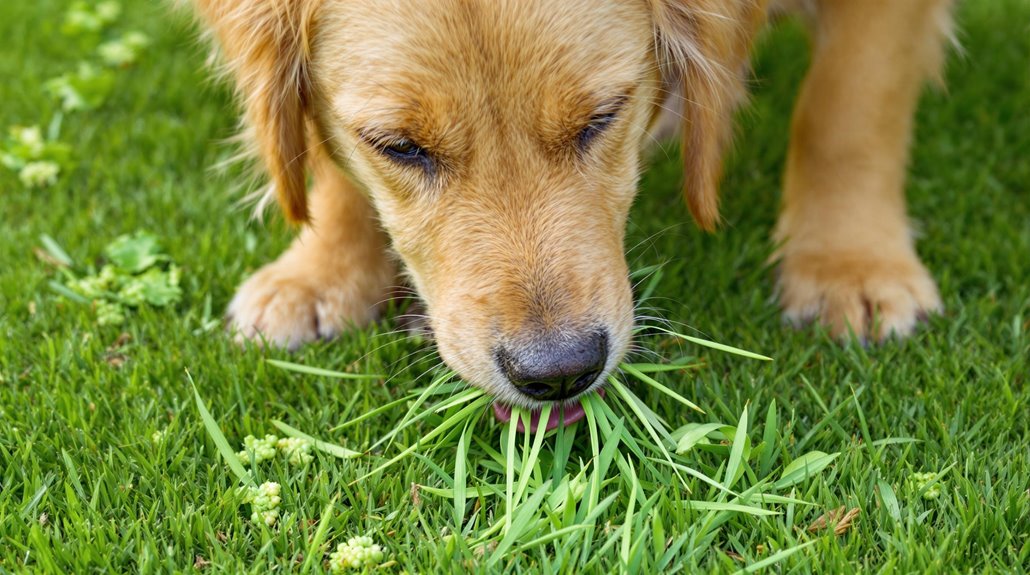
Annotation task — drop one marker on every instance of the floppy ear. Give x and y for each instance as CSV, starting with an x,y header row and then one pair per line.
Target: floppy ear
x,y
703,48
264,45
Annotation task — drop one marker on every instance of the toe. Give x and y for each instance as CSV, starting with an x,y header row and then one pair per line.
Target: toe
x,y
274,311
871,299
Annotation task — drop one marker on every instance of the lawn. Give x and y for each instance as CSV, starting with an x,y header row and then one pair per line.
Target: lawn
x,y
85,486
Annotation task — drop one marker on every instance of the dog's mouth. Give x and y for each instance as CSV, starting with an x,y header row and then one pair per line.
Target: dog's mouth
x,y
561,414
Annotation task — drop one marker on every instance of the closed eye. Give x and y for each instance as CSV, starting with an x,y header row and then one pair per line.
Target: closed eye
x,y
401,151
598,124
590,132
404,151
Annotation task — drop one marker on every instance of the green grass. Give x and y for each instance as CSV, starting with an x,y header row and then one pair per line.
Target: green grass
x,y
84,488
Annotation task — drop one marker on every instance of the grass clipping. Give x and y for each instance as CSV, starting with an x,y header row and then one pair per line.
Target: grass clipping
x,y
590,490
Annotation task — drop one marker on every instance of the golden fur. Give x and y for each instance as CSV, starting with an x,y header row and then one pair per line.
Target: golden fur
x,y
515,225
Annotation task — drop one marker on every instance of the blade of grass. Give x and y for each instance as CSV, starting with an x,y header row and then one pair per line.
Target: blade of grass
x,y
523,516
805,466
529,461
775,558
55,251
460,478
372,413
216,435
612,441
627,522
557,534
308,370
732,507
765,460
316,542
662,367
63,290
695,434
747,497
889,499
736,451
652,284
564,438
714,345
695,473
30,508
440,429
634,404
653,383
594,488
410,417
73,475
509,473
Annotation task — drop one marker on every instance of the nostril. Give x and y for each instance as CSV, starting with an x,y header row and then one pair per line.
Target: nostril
x,y
584,381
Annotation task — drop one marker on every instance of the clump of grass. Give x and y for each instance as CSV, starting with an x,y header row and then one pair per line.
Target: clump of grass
x,y
594,484
604,486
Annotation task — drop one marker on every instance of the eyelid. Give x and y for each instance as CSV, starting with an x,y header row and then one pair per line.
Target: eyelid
x,y
604,116
380,140
610,107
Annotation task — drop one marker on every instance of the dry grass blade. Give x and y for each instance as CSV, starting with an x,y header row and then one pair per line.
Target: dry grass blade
x,y
839,519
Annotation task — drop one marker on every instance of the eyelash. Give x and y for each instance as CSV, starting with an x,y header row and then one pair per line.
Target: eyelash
x,y
416,157
598,124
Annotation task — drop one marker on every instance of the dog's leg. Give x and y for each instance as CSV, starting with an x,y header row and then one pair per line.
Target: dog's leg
x,y
846,252
333,276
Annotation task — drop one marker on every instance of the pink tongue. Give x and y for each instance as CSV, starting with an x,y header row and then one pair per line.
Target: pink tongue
x,y
572,414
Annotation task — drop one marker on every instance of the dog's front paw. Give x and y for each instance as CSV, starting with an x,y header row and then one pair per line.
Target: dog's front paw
x,y
286,305
861,294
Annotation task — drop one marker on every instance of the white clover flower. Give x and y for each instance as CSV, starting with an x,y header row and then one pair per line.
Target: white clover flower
x,y
262,449
356,553
264,502
297,450
917,481
39,174
159,435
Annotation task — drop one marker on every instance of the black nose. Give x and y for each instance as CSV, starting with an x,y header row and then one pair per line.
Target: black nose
x,y
555,368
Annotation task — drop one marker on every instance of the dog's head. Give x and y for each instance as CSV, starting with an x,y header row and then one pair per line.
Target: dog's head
x,y
500,142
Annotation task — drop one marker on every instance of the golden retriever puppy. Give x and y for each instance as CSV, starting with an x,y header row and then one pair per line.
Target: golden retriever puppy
x,y
494,147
